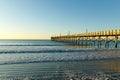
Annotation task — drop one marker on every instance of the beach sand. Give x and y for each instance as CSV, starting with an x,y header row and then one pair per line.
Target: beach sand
x,y
78,70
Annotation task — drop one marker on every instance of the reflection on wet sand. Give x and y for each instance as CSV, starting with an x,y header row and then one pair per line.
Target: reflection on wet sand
x,y
112,65
76,70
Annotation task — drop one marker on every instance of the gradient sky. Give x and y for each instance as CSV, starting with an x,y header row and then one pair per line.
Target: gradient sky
x,y
40,19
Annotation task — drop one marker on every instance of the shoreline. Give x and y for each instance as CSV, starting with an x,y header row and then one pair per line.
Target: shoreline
x,y
89,70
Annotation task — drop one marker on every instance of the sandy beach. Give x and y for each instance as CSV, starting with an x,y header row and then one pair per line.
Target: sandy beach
x,y
80,70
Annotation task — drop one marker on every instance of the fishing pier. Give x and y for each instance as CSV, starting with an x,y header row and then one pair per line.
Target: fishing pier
x,y
91,38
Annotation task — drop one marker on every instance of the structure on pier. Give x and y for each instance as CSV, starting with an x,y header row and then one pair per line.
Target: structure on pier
x,y
90,38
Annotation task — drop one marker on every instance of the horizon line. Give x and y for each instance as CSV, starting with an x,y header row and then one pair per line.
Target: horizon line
x,y
24,39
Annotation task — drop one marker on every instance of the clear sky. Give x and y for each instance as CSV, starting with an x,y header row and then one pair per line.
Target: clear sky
x,y
40,19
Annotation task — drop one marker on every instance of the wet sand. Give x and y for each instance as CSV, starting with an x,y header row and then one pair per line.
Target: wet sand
x,y
77,70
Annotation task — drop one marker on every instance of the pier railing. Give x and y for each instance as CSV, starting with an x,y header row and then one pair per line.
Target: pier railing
x,y
90,38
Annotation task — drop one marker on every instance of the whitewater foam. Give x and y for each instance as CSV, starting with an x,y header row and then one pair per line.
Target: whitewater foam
x,y
67,56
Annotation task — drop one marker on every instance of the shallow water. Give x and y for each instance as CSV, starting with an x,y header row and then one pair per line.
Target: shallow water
x,y
48,60
62,70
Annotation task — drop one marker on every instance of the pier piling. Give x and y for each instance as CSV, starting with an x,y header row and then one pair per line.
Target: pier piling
x,y
90,38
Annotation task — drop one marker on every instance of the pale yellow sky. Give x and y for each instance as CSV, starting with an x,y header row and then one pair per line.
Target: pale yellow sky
x,y
23,36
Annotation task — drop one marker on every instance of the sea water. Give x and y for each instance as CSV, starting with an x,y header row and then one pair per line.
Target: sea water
x,y
49,60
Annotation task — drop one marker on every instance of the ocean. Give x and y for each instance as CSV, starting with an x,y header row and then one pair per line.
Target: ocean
x,y
50,60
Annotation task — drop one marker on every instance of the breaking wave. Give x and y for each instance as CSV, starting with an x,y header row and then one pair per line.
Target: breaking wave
x,y
58,55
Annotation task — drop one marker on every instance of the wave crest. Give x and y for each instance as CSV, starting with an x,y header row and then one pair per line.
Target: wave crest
x,y
68,56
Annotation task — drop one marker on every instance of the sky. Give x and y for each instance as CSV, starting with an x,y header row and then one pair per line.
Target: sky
x,y
41,19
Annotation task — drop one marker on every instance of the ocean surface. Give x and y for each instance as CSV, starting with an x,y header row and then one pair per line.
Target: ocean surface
x,y
49,60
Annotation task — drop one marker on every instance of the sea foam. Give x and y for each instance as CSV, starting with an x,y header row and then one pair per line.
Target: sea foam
x,y
66,55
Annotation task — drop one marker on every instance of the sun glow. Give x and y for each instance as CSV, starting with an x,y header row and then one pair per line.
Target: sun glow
x,y
23,36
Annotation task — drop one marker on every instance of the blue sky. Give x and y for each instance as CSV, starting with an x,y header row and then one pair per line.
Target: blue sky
x,y
41,19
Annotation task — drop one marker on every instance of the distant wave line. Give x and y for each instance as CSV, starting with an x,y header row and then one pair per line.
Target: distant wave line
x,y
31,45
46,51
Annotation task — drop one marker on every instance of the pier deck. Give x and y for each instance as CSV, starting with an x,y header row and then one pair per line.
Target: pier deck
x,y
89,38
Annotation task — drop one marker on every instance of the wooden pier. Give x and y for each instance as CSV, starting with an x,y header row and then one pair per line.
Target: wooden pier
x,y
91,38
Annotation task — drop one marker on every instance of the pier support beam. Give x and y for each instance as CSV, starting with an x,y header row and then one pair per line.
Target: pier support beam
x,y
99,42
116,42
106,42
